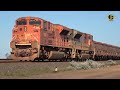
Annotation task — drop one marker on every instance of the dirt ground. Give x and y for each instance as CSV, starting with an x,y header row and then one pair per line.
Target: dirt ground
x,y
42,70
112,72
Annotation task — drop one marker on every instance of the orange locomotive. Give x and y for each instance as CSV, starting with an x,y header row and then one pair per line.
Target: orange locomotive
x,y
34,39
37,39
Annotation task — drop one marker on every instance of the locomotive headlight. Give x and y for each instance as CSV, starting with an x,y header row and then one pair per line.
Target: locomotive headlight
x,y
25,28
16,41
30,41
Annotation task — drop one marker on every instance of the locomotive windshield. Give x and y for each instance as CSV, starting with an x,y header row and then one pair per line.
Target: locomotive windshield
x,y
34,22
21,22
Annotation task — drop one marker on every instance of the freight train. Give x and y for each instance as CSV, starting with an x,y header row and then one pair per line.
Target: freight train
x,y
34,38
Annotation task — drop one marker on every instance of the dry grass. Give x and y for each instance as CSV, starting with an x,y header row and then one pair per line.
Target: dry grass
x,y
90,64
15,70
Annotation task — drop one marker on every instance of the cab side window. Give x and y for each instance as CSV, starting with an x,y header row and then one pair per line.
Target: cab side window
x,y
45,25
89,37
49,25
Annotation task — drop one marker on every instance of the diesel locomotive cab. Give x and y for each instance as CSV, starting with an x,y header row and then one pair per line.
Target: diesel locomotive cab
x,y
25,38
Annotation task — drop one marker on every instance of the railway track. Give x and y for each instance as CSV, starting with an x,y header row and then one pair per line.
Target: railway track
x,y
5,59
8,61
17,61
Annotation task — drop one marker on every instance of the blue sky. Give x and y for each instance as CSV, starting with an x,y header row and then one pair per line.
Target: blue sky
x,y
93,22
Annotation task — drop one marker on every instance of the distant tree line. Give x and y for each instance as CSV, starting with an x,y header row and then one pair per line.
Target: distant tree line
x,y
8,56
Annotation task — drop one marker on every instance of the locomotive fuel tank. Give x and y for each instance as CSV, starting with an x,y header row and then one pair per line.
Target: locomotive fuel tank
x,y
56,55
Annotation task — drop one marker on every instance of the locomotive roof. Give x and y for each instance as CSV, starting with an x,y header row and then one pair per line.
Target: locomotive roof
x,y
52,23
29,17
